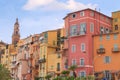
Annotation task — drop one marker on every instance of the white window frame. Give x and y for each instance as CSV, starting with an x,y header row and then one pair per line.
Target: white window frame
x,y
115,36
101,37
92,13
83,27
107,37
107,30
80,73
101,46
102,30
82,47
81,61
105,59
91,27
82,13
73,48
73,30
73,61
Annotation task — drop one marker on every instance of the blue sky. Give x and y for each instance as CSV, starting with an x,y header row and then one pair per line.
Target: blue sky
x,y
36,16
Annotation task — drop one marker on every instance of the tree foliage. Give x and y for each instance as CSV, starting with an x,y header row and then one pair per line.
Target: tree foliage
x,y
4,73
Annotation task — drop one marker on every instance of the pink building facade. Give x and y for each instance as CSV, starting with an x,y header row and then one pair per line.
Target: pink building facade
x,y
80,26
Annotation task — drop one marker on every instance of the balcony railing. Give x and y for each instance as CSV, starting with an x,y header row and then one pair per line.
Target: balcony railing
x,y
101,51
43,60
115,49
81,65
14,61
78,33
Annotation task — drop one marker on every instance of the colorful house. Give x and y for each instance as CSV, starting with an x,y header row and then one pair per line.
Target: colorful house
x,y
116,21
50,59
106,56
79,28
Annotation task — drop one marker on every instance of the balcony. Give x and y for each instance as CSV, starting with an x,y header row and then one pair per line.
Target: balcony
x,y
101,51
115,50
81,65
79,33
13,66
43,60
14,61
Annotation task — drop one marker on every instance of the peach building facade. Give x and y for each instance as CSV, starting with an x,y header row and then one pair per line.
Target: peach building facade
x,y
107,56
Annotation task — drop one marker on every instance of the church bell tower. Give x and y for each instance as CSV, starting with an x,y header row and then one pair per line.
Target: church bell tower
x,y
16,33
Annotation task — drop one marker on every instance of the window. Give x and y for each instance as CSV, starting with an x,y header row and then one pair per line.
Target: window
x,y
107,30
58,55
73,15
107,59
101,38
82,46
24,56
73,62
107,37
73,30
82,28
116,19
91,27
54,42
101,46
66,32
73,48
115,36
58,66
82,74
92,13
46,35
82,13
81,62
108,75
102,30
107,20
115,45
116,27
101,17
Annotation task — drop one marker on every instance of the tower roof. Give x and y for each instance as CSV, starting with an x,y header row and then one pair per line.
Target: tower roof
x,y
17,21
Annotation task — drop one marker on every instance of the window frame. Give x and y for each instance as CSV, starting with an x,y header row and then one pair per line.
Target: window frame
x,y
73,48
82,13
107,59
80,73
82,47
82,63
92,27
74,60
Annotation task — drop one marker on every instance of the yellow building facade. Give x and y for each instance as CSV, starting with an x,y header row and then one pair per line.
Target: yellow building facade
x,y
50,58
116,21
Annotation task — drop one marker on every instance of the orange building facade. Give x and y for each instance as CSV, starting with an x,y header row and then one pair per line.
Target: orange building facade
x,y
107,56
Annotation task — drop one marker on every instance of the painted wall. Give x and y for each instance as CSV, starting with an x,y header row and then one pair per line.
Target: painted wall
x,y
98,19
